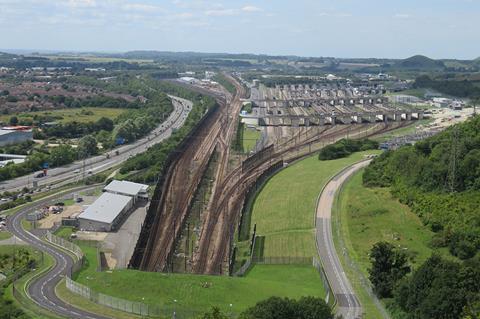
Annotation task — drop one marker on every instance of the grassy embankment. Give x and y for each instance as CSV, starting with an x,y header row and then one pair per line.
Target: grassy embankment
x,y
200,292
81,115
284,210
363,216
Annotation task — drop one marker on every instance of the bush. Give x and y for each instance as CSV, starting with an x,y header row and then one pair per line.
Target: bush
x,y
284,308
345,147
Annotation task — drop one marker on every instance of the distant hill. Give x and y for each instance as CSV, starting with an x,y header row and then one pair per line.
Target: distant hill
x,y
420,62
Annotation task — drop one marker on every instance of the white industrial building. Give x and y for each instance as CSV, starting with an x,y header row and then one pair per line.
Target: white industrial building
x,y
135,190
105,213
12,136
109,210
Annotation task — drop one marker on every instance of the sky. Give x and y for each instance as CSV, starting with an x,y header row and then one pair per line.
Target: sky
x,y
340,28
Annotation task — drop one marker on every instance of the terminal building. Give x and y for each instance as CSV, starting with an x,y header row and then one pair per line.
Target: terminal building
x,y
110,209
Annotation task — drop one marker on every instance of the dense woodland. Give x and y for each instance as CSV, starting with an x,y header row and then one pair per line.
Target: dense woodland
x,y
439,179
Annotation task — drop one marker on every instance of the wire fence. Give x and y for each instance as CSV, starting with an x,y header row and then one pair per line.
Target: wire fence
x,y
282,260
133,307
68,245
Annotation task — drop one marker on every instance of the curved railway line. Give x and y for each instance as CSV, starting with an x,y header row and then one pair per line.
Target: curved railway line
x,y
219,219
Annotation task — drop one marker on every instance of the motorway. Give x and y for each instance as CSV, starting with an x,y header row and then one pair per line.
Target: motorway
x,y
42,289
347,302
97,164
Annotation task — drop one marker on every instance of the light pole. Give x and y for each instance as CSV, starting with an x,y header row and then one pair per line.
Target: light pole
x,y
174,308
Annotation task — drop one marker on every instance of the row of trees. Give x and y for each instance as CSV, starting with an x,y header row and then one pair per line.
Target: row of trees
x,y
439,178
56,156
345,147
281,308
152,161
74,129
463,88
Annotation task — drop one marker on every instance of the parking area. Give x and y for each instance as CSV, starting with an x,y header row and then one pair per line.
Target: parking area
x,y
118,247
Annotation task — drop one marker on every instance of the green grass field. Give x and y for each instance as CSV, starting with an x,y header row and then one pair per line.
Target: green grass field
x,y
70,115
64,232
250,137
285,208
364,216
370,215
199,292
5,235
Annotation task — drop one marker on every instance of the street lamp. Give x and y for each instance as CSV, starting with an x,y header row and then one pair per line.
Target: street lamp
x,y
174,308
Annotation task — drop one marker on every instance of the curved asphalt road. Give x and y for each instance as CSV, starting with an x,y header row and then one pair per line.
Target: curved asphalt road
x,y
347,303
66,174
42,289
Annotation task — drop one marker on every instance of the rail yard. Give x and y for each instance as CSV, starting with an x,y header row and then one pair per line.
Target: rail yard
x,y
233,175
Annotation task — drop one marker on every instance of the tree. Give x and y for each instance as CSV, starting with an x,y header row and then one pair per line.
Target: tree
x,y
105,124
87,146
13,121
389,265
215,313
61,155
284,308
441,288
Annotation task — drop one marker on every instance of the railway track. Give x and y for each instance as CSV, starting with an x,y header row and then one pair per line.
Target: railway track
x,y
212,258
181,182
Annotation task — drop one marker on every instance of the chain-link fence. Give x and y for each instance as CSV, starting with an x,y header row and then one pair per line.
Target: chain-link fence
x,y
282,260
329,296
133,307
65,244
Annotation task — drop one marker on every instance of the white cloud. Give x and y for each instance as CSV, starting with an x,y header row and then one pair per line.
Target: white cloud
x,y
335,14
402,16
221,12
251,9
141,7
81,3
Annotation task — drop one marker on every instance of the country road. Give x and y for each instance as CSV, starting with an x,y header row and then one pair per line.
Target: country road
x,y
347,302
79,169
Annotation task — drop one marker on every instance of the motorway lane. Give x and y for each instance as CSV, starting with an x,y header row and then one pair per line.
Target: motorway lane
x,y
42,289
347,302
101,163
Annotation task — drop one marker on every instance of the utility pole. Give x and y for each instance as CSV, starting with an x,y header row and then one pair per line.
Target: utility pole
x,y
454,154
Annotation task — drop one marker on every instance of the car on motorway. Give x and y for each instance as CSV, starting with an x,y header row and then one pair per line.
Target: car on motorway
x,y
40,175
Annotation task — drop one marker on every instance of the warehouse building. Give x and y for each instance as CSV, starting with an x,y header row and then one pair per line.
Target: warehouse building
x,y
135,190
109,210
106,213
13,135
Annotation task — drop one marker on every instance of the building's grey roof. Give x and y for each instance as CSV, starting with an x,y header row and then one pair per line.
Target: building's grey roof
x,y
125,187
106,208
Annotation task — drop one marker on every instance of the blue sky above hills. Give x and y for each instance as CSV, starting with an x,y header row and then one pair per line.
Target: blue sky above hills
x,y
342,28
